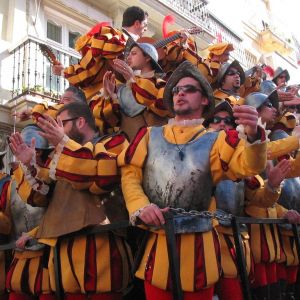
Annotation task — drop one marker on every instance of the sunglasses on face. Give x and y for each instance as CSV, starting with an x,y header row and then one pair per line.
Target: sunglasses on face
x,y
190,89
268,104
232,72
282,76
227,120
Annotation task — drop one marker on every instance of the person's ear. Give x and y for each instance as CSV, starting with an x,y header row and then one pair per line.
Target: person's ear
x,y
204,100
137,24
81,122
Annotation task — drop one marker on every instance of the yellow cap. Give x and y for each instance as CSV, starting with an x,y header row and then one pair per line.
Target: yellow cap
x,y
220,48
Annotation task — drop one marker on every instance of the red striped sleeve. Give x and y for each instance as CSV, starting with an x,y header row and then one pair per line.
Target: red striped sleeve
x,y
83,153
133,145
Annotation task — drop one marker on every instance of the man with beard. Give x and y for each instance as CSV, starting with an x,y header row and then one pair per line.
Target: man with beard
x,y
176,166
84,169
229,80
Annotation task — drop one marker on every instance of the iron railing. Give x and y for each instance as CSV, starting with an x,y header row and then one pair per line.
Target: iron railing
x,y
32,72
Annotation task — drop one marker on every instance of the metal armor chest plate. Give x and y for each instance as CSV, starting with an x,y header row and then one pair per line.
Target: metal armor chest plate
x,y
230,196
169,181
290,196
128,104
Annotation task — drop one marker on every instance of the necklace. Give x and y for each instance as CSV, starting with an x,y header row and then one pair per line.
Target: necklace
x,y
180,150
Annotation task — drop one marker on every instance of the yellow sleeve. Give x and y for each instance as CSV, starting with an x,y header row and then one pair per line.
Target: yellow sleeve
x,y
149,92
131,162
44,109
107,44
232,158
258,194
282,147
280,210
25,190
106,112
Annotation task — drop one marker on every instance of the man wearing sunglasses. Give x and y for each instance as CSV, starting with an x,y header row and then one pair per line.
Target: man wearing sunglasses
x,y
84,171
229,80
176,166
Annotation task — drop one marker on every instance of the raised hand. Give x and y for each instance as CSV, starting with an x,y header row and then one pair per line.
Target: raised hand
x,y
109,84
248,116
57,69
22,151
53,131
121,67
278,173
23,115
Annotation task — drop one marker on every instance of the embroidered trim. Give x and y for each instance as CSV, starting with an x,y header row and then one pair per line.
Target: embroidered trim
x,y
136,214
58,150
193,122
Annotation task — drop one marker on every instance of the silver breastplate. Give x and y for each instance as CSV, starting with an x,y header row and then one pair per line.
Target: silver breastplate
x,y
170,181
128,104
290,194
230,196
24,216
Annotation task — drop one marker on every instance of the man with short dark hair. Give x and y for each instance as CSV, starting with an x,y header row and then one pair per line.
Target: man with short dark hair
x,y
176,166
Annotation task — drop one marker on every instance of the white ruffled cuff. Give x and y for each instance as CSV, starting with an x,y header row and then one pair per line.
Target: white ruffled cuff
x,y
136,214
33,180
242,135
58,150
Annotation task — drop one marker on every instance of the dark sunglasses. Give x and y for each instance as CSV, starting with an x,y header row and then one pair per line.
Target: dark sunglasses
x,y
282,76
227,120
190,89
268,104
232,72
67,120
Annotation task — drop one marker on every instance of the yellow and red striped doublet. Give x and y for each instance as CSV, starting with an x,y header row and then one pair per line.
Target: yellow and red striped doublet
x,y
199,253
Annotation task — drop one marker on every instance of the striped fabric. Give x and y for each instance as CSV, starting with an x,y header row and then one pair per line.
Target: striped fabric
x,y
94,264
199,261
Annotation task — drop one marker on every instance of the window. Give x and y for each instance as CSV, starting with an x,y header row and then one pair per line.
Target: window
x,y
72,38
54,32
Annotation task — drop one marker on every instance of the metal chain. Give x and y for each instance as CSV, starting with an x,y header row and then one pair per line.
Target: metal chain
x,y
221,216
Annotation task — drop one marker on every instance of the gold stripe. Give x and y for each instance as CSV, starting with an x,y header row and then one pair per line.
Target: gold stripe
x,y
69,282
211,264
32,272
270,242
187,261
228,266
45,281
161,264
78,259
17,275
103,263
140,273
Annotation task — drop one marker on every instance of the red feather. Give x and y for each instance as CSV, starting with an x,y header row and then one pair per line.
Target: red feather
x,y
97,28
269,70
167,20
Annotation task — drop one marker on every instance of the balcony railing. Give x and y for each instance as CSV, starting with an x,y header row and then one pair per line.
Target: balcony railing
x,y
32,72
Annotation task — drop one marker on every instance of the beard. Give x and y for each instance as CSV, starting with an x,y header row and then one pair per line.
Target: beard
x,y
76,135
183,112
